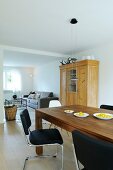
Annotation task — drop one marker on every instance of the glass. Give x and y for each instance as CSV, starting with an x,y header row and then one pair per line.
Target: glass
x,y
72,86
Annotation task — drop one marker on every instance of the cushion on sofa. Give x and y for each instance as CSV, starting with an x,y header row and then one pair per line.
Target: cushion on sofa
x,y
36,96
31,96
32,92
33,101
43,94
50,94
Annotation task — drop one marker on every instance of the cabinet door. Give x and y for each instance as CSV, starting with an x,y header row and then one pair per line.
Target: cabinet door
x,y
82,85
92,86
71,85
71,80
63,86
71,98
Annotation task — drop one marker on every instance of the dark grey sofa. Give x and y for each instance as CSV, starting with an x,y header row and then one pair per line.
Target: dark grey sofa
x,y
42,101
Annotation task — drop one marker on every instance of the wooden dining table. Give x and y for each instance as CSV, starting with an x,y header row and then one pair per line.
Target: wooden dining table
x,y
102,129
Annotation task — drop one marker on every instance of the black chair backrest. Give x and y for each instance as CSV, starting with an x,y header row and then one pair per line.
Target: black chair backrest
x,y
109,107
26,121
93,153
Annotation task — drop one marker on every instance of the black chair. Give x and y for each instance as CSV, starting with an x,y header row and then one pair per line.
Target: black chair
x,y
109,107
93,153
40,137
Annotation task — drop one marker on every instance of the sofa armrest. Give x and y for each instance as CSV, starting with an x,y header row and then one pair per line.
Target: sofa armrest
x,y
44,102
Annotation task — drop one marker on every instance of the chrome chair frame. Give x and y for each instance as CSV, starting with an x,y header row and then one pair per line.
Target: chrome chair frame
x,y
39,156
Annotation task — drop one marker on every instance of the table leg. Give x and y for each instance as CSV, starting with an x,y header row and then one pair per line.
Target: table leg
x,y
38,125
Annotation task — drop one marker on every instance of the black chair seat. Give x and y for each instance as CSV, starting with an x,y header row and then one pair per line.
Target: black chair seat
x,y
45,136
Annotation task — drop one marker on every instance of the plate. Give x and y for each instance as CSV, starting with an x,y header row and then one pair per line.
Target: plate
x,y
103,116
68,111
81,114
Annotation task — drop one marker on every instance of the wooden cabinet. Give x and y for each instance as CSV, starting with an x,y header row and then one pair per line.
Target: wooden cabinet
x,y
79,83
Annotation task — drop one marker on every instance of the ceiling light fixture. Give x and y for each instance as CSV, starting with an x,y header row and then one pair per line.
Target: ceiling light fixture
x,y
71,59
73,21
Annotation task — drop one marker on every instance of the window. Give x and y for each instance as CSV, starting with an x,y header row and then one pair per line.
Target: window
x,y
11,80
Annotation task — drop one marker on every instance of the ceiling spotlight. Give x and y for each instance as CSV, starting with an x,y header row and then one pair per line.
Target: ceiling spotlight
x,y
73,21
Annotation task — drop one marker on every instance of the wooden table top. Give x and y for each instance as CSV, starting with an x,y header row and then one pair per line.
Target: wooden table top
x,y
99,128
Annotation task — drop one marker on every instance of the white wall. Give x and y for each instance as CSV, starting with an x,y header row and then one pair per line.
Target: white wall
x,y
47,77
105,55
26,80
1,87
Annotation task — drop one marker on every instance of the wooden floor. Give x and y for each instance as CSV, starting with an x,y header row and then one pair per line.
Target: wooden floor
x,y
13,149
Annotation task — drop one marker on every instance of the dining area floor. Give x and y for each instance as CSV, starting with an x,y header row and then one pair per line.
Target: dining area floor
x,y
14,150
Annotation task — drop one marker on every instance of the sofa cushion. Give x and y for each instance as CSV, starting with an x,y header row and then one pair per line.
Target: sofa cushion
x,y
50,94
33,101
43,94
32,92
36,96
31,96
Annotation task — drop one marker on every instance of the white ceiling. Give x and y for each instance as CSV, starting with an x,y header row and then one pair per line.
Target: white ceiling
x,y
44,24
